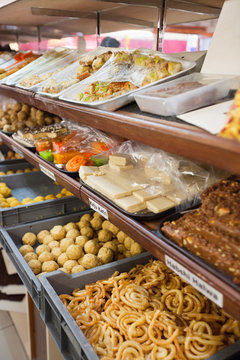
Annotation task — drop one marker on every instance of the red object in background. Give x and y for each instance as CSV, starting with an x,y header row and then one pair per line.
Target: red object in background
x,y
43,145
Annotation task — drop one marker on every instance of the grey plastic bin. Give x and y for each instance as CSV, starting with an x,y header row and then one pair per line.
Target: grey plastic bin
x,y
11,165
10,239
69,338
31,185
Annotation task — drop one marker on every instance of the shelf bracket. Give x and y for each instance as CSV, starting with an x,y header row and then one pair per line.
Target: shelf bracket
x,y
162,12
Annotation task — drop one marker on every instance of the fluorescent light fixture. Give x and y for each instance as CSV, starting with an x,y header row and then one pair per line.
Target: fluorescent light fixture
x,y
6,2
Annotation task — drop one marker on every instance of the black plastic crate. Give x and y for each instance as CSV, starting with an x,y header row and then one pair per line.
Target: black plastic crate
x,y
14,165
10,239
69,338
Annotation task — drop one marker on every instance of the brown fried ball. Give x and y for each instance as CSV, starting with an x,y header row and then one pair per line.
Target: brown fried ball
x,y
69,264
121,248
81,240
64,270
121,236
91,247
87,217
48,120
112,246
65,243
72,234
41,235
36,266
56,252
49,266
62,259
25,108
48,239
30,256
128,242
136,249
83,223
87,231
77,268
120,257
104,235
74,252
22,115
54,244
70,226
45,256
127,254
105,255
97,215
89,261
25,249
41,248
96,223
58,232
17,107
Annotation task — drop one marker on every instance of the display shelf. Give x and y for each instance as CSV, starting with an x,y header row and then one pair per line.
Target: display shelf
x,y
141,232
172,136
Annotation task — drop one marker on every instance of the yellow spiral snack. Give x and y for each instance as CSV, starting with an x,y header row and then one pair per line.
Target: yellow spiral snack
x,y
150,314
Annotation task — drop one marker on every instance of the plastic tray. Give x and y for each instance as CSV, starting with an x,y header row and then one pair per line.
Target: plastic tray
x,y
11,241
204,264
31,185
216,87
119,101
69,338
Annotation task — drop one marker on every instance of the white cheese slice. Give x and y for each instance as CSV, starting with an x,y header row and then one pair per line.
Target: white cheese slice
x,y
159,204
118,159
119,168
146,194
131,204
85,171
107,187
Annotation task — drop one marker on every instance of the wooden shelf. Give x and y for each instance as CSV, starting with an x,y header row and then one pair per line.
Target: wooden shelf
x,y
141,232
170,136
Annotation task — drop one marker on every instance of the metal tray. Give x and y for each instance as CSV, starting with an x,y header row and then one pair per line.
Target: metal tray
x,y
69,338
10,239
11,165
32,185
119,101
69,173
204,264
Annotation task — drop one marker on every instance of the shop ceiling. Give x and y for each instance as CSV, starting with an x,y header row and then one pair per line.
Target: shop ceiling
x,y
26,19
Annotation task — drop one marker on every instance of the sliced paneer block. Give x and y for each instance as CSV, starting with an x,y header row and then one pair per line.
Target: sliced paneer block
x,y
153,173
159,204
131,204
119,159
107,187
177,197
85,171
146,194
119,168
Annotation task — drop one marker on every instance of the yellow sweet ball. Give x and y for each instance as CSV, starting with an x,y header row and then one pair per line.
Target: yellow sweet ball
x,y
10,199
64,270
62,259
24,249
58,232
87,217
30,256
10,172
49,266
56,252
19,171
2,173
89,261
50,197
54,244
91,247
29,238
36,266
65,243
58,196
45,256
77,268
39,198
27,170
48,238
41,235
81,240
4,205
72,234
26,201
69,264
70,226
41,248
35,169
63,191
68,193
74,252
15,203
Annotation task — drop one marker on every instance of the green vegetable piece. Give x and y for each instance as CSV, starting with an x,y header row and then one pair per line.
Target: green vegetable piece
x,y
47,155
99,160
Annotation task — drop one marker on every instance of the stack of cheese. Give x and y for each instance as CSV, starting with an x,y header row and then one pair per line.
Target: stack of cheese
x,y
133,188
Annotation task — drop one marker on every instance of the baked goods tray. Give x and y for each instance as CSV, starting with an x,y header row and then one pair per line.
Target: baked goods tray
x,y
12,165
121,100
64,329
11,240
143,215
69,173
211,268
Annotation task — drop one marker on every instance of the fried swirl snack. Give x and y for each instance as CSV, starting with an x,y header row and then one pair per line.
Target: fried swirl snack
x,y
150,313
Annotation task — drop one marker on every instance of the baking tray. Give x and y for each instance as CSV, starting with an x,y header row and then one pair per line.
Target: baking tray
x,y
69,173
143,215
14,166
119,101
4,149
10,239
32,185
204,264
64,329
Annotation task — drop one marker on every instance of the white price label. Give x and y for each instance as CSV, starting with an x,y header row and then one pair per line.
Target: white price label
x,y
203,287
17,150
98,208
47,172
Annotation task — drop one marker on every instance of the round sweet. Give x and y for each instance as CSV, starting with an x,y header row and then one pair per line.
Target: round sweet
x,y
72,234
48,238
29,238
28,170
45,256
49,266
112,246
41,235
42,273
121,236
15,203
74,252
30,256
41,248
64,270
26,201
89,261
120,257
121,248
36,266
105,255
127,254
56,252
87,231
91,247
69,264
50,197
128,242
135,249
54,244
62,259
83,223
97,215
70,226
96,223
38,198
104,235
65,243
25,249
81,240
87,217
58,232
77,268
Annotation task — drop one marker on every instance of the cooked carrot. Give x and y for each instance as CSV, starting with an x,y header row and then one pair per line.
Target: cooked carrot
x,y
74,163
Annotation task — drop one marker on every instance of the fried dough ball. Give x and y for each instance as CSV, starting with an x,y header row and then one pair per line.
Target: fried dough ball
x,y
22,115
121,236
69,264
112,246
105,255
96,223
56,252
30,256
41,235
15,203
48,239
136,249
89,261
87,231
50,197
41,248
74,252
39,115
127,254
36,266
77,268
97,215
56,119
87,217
26,201
120,257
64,270
91,247
73,234
121,248
54,244
83,223
28,170
37,198
114,229
104,235
42,273
58,232
49,266
58,196
81,240
25,249
128,242
70,226
45,256
5,191
25,108
17,107
48,120
19,171
65,243
62,259
8,128
10,199
2,173
29,238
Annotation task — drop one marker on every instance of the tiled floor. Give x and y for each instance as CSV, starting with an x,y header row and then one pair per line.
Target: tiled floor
x,y
11,347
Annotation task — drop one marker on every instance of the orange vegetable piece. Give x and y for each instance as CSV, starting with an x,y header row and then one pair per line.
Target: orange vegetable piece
x,y
75,163
99,147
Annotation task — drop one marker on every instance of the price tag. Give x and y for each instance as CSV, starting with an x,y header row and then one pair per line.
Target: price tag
x,y
203,287
47,172
100,209
17,150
